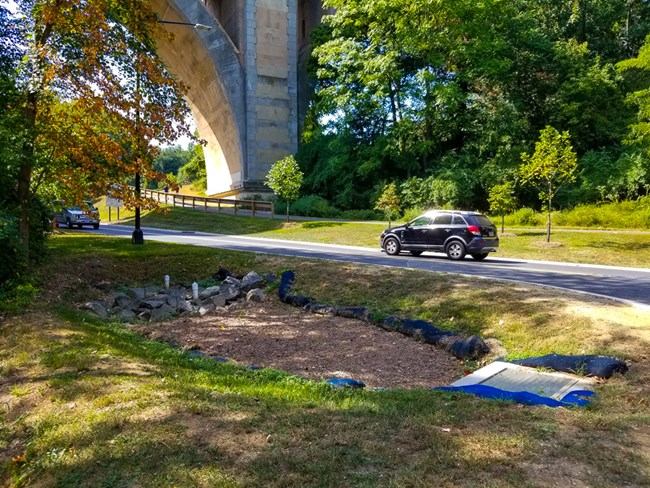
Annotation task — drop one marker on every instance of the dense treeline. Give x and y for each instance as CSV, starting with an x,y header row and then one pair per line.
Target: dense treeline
x,y
443,97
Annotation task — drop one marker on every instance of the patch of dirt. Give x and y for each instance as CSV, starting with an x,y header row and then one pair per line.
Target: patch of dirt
x,y
275,335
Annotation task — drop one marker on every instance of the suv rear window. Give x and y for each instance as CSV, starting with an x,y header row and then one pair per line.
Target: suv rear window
x,y
458,220
444,219
480,220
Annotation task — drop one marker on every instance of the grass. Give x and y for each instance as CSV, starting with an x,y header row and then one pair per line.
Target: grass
x,y
91,403
616,248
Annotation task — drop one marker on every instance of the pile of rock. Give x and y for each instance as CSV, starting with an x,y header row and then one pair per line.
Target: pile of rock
x,y
156,304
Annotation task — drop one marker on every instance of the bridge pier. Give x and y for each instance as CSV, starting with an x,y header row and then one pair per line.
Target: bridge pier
x,y
243,79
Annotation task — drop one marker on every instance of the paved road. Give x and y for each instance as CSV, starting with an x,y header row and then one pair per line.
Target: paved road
x,y
627,284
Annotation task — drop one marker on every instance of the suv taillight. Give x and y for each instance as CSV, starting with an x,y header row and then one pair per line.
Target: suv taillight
x,y
474,230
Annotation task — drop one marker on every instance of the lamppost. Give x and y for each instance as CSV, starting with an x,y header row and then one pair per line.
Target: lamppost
x,y
138,237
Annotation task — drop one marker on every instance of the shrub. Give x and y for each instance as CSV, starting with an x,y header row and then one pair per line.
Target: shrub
x,y
362,215
413,212
525,217
313,206
9,248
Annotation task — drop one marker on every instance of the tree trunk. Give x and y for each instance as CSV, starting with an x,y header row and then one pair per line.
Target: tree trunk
x,y
503,219
548,222
287,210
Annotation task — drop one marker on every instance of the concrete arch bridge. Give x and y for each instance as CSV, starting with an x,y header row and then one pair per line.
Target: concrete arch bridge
x,y
248,91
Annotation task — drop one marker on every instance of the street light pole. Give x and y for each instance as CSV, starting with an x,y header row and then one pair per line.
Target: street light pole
x,y
137,237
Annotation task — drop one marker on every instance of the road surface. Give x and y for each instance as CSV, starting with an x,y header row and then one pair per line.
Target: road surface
x,y
620,283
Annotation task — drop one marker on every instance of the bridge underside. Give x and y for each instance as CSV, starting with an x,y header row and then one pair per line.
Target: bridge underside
x,y
243,79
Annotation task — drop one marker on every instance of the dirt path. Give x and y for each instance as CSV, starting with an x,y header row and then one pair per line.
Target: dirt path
x,y
276,335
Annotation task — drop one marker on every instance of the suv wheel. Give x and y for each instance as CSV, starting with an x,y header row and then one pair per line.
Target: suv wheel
x,y
391,246
480,256
69,224
95,226
455,250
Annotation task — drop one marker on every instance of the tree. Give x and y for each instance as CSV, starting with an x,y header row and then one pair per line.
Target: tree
x,y
171,159
93,95
553,165
388,202
502,200
285,179
194,171
640,130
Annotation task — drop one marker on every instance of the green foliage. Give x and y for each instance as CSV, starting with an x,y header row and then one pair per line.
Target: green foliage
x,y
413,212
640,133
285,179
360,215
431,192
15,269
502,199
552,166
12,266
170,159
388,202
453,92
618,215
313,206
525,217
194,171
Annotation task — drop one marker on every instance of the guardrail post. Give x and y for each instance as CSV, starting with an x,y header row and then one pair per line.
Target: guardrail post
x,y
193,202
253,208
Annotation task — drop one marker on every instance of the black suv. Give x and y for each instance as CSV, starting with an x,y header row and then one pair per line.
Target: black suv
x,y
453,232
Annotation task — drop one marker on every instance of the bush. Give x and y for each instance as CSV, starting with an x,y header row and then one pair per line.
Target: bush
x,y
14,270
525,217
413,212
313,206
362,215
12,266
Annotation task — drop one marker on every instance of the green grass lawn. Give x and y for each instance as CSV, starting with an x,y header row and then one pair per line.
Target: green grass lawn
x,y
617,248
90,403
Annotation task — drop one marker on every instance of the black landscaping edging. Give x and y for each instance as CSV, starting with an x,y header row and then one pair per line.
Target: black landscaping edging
x,y
461,347
586,364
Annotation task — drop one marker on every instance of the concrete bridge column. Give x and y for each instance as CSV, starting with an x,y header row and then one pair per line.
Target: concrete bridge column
x,y
243,84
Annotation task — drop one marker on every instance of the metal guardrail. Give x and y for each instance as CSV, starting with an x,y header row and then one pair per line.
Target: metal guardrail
x,y
205,203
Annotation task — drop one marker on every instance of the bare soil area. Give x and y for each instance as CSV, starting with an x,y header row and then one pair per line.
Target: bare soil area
x,y
275,335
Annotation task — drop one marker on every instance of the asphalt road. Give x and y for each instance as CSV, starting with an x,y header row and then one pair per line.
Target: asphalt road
x,y
626,284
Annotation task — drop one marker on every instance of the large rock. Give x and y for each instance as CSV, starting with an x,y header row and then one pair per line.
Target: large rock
x,y
122,301
206,309
161,313
126,316
218,300
229,291
221,274
96,307
208,292
184,306
250,281
255,295
136,293
154,303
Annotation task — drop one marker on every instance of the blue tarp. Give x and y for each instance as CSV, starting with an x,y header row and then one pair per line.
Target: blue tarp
x,y
575,398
